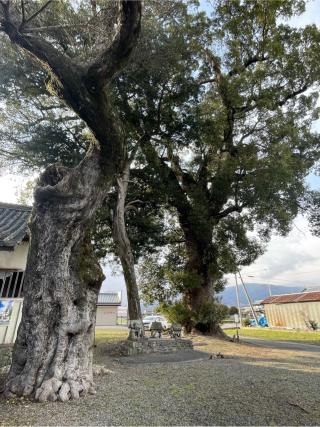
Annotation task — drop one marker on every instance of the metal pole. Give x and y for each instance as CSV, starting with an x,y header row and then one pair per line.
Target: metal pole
x,y
238,299
249,299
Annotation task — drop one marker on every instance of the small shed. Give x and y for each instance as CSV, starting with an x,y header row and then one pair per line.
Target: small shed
x,y
14,245
293,310
107,310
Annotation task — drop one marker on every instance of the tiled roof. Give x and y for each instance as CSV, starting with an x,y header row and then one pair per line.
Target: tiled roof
x,y
109,298
13,224
301,297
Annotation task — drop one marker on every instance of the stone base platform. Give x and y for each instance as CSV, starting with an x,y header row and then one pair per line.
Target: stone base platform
x,y
154,345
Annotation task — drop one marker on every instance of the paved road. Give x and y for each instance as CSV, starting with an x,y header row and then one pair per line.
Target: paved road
x,y
288,345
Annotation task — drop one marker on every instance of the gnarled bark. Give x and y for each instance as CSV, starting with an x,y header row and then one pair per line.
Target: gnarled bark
x,y
52,357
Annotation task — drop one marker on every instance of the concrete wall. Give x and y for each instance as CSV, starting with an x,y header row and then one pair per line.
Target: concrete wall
x,y
16,259
293,315
106,315
8,331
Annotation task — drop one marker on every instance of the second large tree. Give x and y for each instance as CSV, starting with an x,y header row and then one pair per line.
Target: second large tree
x,y
225,107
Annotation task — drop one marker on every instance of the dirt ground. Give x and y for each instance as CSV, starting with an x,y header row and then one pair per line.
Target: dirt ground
x,y
249,386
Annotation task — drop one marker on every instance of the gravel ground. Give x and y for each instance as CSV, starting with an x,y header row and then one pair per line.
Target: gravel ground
x,y
250,386
178,356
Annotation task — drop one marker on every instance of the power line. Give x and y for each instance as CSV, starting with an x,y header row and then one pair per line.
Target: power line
x,y
293,283
301,272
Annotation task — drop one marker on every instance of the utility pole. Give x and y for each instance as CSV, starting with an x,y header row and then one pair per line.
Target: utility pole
x,y
249,299
238,299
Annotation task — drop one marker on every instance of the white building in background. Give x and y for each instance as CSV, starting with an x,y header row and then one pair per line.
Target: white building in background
x,y
107,310
14,246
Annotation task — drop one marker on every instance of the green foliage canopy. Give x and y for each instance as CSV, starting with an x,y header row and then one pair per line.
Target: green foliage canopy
x,y
221,107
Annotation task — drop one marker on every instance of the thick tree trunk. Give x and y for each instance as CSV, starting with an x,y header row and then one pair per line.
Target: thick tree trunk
x,y
123,248
197,265
53,350
52,357
199,253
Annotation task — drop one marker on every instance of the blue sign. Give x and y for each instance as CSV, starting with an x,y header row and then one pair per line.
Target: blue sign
x,y
6,307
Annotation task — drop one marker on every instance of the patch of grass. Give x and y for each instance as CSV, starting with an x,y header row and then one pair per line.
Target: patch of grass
x,y
110,335
307,337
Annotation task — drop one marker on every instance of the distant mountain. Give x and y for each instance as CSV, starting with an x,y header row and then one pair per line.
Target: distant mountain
x,y
257,291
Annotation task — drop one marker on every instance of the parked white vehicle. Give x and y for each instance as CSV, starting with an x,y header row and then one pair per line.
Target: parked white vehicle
x,y
149,319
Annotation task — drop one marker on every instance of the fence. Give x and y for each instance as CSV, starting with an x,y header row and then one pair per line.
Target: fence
x,y
11,283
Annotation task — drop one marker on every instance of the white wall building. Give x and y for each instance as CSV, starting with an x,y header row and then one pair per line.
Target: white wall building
x,y
14,244
107,310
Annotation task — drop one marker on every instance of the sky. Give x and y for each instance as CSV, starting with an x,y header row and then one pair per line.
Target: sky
x,y
290,260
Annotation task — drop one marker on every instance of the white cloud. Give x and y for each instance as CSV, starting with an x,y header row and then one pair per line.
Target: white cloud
x,y
291,260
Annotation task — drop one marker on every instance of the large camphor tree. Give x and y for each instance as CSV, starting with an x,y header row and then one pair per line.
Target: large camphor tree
x,y
52,356
223,107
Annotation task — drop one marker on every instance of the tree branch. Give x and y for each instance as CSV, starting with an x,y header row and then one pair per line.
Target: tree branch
x,y
229,210
168,177
293,94
215,63
135,148
160,106
204,82
61,65
278,103
23,11
55,27
115,56
68,73
222,83
34,15
252,60
131,205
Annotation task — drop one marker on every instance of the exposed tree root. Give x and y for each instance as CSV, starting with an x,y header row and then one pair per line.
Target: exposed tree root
x,y
53,389
216,332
